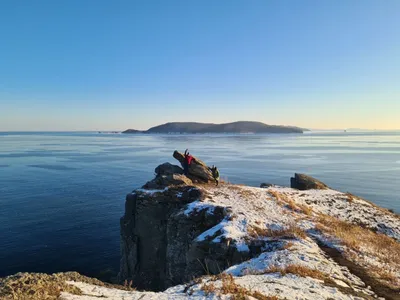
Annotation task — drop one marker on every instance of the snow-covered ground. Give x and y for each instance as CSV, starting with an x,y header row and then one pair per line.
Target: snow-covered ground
x,y
287,287
354,210
271,215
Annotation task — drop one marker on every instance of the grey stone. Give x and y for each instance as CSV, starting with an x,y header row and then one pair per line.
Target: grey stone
x,y
266,185
162,181
305,182
168,169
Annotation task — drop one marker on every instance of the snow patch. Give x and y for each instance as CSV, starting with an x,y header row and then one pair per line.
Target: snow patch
x,y
151,192
197,206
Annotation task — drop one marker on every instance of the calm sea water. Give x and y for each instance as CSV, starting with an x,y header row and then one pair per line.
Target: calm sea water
x,y
62,194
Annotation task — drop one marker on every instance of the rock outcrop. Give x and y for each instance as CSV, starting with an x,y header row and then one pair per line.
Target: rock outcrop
x,y
166,175
305,182
183,231
162,181
168,169
144,234
198,170
158,239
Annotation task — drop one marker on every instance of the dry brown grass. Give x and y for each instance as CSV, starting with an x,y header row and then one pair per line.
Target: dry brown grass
x,y
286,200
31,286
305,272
357,237
292,231
128,285
274,194
209,288
230,287
274,269
243,192
299,270
350,197
305,209
290,204
359,240
246,193
387,276
288,245
34,286
280,197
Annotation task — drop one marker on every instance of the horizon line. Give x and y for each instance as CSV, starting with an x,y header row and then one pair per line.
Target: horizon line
x,y
120,130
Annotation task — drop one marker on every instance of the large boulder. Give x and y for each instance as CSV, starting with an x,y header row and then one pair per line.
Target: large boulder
x,y
198,170
163,181
305,182
168,169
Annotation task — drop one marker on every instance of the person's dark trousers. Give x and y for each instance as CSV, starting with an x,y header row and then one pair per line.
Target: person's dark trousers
x,y
186,169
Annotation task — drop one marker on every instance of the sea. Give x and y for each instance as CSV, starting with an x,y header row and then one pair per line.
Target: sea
x,y
62,193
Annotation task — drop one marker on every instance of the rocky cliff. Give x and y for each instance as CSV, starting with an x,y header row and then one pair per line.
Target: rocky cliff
x,y
158,239
179,232
183,238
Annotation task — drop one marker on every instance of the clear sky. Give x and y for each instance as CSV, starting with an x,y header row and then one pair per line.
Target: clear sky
x,y
111,65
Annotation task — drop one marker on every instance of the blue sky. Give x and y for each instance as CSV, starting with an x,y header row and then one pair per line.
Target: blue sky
x,y
110,65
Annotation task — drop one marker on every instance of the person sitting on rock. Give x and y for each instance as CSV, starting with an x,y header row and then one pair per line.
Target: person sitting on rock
x,y
188,161
215,173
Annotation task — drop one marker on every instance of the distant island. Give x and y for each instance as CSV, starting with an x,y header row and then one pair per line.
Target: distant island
x,y
235,127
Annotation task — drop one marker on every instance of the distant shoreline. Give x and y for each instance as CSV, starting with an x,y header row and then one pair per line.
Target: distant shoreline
x,y
145,131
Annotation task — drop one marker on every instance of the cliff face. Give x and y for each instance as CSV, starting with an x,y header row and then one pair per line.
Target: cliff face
x,y
158,239
144,234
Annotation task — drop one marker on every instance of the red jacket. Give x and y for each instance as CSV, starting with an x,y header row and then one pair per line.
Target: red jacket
x,y
188,159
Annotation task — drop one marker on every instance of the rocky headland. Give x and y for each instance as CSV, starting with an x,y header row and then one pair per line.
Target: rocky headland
x,y
182,237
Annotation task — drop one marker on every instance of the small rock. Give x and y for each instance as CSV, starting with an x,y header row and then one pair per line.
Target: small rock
x,y
266,185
